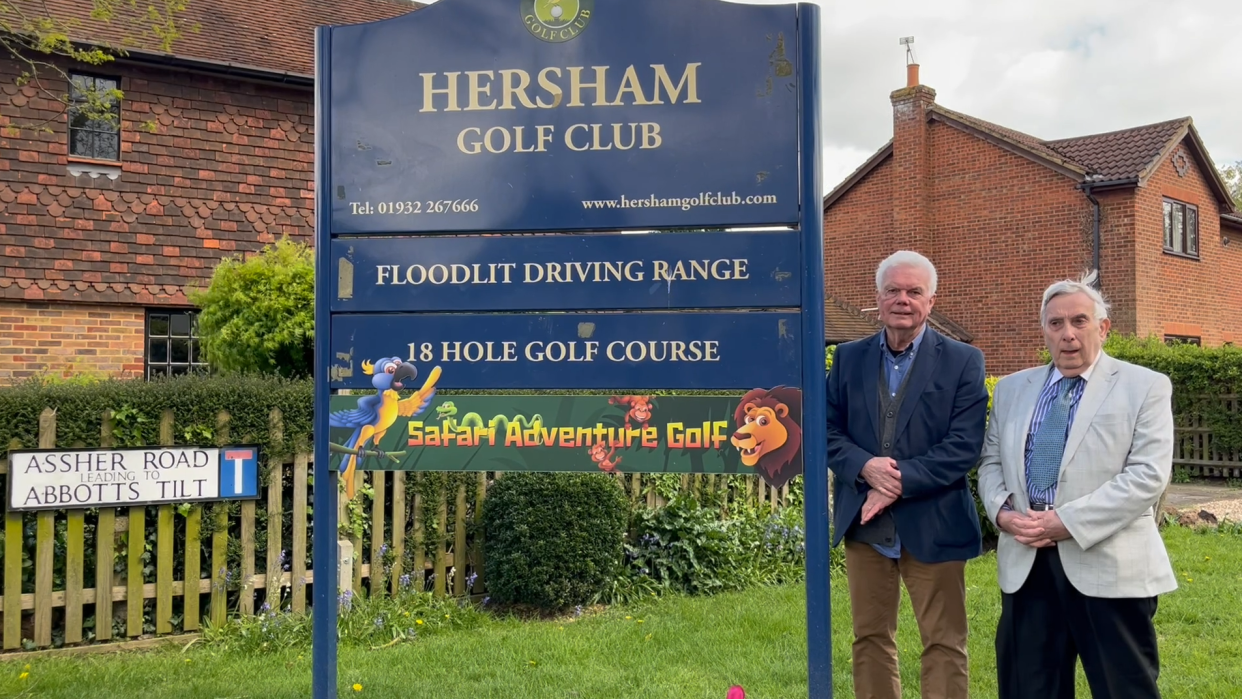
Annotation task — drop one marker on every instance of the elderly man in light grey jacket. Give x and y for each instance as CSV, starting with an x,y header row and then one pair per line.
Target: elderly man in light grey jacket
x,y
1075,458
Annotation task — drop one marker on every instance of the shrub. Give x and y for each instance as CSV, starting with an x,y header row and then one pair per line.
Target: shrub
x,y
552,540
258,315
989,529
689,548
1200,375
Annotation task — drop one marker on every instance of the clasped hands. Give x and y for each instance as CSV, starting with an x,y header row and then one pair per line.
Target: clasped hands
x,y
882,475
1036,529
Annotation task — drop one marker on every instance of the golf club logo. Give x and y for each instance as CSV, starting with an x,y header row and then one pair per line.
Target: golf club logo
x,y
556,21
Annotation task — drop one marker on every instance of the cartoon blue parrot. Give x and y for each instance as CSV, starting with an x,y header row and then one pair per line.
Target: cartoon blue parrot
x,y
376,413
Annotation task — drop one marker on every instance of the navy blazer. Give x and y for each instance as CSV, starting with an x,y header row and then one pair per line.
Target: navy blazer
x,y
939,436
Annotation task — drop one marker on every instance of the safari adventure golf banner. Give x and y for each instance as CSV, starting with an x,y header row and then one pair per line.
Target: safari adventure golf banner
x,y
757,432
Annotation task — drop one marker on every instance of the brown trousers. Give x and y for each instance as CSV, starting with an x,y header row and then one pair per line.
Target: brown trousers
x,y
938,595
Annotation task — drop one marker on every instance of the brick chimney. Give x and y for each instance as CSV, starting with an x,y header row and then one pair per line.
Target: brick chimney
x,y
912,161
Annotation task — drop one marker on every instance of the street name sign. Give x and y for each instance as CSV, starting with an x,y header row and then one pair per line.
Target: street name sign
x,y
52,479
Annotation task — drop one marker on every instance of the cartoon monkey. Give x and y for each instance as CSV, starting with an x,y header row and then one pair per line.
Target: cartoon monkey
x,y
603,458
640,408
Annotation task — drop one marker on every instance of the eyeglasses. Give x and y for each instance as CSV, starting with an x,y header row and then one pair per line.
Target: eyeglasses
x,y
891,293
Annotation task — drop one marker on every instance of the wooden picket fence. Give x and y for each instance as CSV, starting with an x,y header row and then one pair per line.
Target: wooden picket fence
x,y
168,603
1200,452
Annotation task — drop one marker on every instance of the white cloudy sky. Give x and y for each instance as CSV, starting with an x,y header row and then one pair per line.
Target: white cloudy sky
x,y
1050,68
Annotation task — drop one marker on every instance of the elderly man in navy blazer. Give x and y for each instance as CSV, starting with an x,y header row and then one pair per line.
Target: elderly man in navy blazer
x,y
907,409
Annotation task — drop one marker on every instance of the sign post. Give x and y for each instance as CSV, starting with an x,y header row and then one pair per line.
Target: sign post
x,y
546,197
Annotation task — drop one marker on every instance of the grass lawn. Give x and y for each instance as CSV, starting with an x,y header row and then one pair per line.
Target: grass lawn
x,y
676,648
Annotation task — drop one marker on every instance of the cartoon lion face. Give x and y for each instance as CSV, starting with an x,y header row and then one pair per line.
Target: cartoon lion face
x,y
761,431
769,433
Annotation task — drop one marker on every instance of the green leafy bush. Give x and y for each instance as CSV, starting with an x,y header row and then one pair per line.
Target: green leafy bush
x,y
689,548
258,314
552,540
989,529
1200,376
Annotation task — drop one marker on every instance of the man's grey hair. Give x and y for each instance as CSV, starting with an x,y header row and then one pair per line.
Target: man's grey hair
x,y
906,258
1085,285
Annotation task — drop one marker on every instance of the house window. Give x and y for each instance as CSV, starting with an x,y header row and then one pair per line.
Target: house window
x,y
172,343
1182,340
1181,228
91,134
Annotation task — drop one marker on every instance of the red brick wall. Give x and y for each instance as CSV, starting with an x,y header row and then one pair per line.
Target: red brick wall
x,y
858,228
63,340
1118,268
228,168
913,165
1005,228
1182,296
1000,229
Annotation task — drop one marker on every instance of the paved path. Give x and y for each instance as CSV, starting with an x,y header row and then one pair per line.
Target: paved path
x,y
1218,498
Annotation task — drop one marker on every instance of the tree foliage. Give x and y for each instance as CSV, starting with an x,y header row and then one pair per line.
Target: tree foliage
x,y
1232,175
43,42
258,314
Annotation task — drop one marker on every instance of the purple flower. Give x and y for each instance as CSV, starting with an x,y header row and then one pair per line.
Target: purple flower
x,y
405,580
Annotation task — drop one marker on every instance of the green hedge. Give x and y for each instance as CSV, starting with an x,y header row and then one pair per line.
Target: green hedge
x,y
552,540
1200,375
137,405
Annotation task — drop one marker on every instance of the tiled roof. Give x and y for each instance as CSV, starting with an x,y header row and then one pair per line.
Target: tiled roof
x,y
276,36
1124,154
844,323
1030,142
945,326
1117,156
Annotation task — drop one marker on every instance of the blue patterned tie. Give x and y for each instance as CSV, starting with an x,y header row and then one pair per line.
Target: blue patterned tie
x,y
1049,444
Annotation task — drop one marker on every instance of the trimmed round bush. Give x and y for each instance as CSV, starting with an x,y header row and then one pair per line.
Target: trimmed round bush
x,y
552,540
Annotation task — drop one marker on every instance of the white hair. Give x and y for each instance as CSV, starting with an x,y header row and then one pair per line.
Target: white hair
x,y
906,258
1085,285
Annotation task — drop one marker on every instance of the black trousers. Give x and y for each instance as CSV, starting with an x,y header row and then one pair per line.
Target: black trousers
x,y
1047,625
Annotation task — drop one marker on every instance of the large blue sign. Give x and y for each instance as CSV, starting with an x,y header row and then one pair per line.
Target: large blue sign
x,y
563,272
575,350
534,195
479,115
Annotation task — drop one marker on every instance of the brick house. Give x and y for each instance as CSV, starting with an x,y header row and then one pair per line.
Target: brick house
x,y
104,228
1003,214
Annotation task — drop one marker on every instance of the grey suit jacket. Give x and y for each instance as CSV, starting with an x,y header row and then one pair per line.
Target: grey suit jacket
x,y
1117,462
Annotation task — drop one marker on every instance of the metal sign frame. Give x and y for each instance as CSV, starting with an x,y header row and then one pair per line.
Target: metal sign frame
x,y
805,60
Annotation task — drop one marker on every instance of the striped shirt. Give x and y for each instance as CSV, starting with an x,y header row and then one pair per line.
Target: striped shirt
x,y
1046,397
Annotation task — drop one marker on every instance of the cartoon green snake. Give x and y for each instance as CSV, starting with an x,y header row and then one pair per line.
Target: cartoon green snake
x,y
446,412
